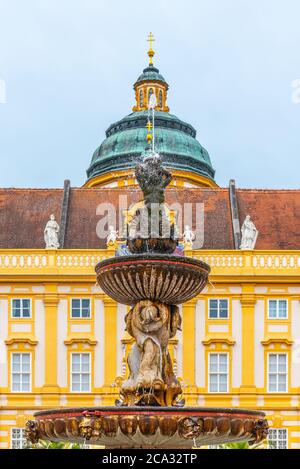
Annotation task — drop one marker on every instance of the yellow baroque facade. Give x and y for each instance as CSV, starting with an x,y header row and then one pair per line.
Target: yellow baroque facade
x,y
62,340
51,279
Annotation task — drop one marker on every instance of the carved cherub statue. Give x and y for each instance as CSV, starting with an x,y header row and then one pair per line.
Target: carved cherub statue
x,y
188,235
112,236
51,233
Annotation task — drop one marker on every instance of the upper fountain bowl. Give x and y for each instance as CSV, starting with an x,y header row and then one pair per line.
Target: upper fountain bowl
x,y
156,277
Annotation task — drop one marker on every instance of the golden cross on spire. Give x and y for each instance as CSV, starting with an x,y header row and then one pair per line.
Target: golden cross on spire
x,y
150,51
149,126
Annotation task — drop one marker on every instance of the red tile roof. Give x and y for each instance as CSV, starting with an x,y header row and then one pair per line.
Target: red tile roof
x,y
24,213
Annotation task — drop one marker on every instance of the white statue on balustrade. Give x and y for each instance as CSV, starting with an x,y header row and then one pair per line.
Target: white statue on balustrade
x,y
51,233
249,234
188,236
112,236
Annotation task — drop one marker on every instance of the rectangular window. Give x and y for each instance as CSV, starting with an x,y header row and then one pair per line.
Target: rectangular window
x,y
277,309
277,372
17,438
21,308
21,372
277,438
80,372
218,372
80,308
218,309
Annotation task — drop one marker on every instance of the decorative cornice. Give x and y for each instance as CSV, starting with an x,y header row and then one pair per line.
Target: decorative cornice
x,y
21,340
208,340
70,340
277,340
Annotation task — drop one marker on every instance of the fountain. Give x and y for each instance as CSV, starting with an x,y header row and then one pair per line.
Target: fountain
x,y
153,281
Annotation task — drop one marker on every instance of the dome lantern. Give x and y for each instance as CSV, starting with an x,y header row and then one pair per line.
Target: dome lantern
x,y
149,82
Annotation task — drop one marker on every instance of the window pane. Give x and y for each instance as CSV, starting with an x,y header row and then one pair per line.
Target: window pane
x,y
223,387
223,368
75,367
26,303
282,359
224,304
213,313
272,359
76,378
213,387
86,303
273,378
272,367
86,313
85,367
25,378
16,387
16,368
223,313
213,368
16,313
75,303
26,368
85,379
75,313
25,359
223,358
272,387
16,303
75,357
213,358
272,308
26,387
85,387
75,387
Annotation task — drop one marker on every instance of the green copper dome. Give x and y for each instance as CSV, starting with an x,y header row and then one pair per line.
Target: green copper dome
x,y
175,140
150,73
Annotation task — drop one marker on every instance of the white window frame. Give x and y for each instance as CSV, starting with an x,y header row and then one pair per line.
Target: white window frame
x,y
277,318
21,310
218,309
277,440
80,317
218,372
277,373
22,440
20,373
80,372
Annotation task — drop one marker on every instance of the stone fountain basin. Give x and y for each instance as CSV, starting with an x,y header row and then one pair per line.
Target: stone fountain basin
x,y
156,277
150,427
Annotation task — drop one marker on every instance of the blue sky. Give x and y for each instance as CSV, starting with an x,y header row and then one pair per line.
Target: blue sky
x,y
69,66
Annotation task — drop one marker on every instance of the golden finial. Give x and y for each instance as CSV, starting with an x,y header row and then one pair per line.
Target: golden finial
x,y
149,134
151,51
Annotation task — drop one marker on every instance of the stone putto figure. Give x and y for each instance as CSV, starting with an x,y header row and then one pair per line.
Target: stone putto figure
x,y
51,233
112,236
152,379
188,235
249,234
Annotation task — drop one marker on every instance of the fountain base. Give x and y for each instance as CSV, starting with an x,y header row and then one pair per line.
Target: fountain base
x,y
148,427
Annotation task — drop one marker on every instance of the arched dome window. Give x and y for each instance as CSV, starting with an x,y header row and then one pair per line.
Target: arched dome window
x,y
160,99
150,94
141,98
